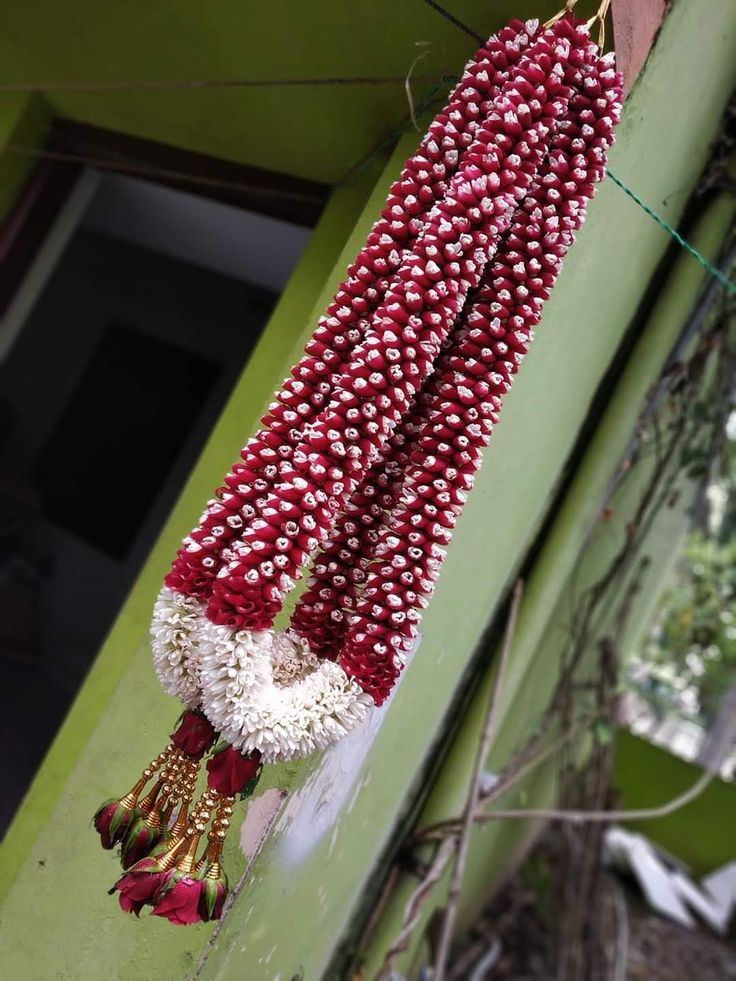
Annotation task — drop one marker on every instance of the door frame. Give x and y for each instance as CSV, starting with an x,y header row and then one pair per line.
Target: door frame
x,y
72,148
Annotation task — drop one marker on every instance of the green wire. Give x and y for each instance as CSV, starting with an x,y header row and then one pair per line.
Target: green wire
x,y
713,270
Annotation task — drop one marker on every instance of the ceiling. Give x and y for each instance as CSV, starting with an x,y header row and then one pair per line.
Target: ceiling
x,y
318,133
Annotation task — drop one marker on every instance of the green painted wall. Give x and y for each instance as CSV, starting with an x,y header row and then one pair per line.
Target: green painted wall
x,y
297,910
701,833
317,132
24,120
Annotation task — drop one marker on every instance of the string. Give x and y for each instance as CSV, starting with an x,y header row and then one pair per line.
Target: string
x,y
663,223
392,137
206,83
455,21
153,172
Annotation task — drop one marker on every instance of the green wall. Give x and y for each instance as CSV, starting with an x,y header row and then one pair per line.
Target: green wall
x,y
24,120
318,132
701,833
304,892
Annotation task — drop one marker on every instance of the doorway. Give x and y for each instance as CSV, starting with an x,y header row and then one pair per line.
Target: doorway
x,y
113,374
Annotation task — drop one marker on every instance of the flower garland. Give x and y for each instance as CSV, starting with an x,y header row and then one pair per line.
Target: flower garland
x,y
365,457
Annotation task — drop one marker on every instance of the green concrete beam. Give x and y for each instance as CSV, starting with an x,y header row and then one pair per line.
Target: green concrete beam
x,y
315,132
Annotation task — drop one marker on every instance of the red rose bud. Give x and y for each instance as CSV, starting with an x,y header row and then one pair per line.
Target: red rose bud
x,y
195,735
230,772
112,821
213,898
141,884
180,902
140,840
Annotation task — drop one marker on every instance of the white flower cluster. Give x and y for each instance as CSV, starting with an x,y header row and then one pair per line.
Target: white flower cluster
x,y
175,627
269,692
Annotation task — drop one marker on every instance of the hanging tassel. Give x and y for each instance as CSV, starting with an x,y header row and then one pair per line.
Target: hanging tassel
x,y
177,884
140,823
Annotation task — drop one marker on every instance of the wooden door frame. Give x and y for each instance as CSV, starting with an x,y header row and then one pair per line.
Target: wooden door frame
x,y
72,146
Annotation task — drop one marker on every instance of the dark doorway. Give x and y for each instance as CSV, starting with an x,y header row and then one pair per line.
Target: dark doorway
x,y
107,394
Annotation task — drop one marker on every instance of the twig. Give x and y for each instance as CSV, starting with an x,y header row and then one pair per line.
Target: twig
x,y
407,87
487,961
516,771
621,955
414,906
584,817
471,804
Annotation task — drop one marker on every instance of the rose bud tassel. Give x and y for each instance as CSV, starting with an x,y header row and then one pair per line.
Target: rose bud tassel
x,y
139,822
177,884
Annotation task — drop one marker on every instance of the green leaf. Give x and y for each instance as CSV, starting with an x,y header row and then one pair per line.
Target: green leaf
x,y
210,896
117,819
602,732
248,789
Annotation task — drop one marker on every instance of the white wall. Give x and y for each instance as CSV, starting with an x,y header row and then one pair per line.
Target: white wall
x,y
241,244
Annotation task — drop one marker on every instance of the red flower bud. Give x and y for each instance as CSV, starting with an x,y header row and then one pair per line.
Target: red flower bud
x,y
229,771
213,898
112,822
139,841
181,902
141,884
195,735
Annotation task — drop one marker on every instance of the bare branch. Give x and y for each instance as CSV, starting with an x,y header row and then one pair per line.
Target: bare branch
x,y
471,804
585,817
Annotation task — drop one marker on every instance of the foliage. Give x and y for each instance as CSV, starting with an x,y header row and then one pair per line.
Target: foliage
x,y
688,660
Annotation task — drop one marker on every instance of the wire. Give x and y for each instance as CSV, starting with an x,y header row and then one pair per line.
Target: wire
x,y
455,21
215,83
663,223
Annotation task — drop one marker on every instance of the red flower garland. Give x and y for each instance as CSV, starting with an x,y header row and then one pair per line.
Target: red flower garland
x,y
422,183
456,415
397,355
367,453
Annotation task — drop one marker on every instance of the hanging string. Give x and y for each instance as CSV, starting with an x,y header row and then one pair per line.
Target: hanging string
x,y
217,83
455,21
663,223
138,170
392,137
